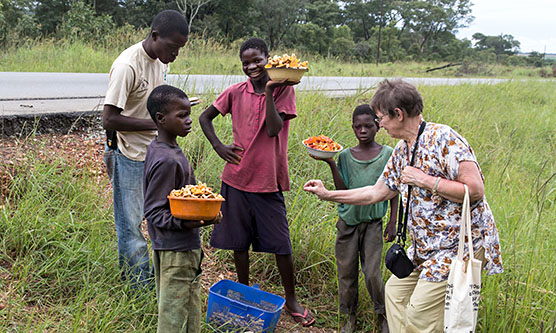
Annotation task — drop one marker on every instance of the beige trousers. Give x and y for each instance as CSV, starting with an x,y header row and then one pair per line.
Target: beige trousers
x,y
414,305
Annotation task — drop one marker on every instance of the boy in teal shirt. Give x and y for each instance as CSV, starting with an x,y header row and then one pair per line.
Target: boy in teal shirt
x,y
360,227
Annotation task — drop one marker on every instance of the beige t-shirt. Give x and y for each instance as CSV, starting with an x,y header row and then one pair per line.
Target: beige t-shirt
x,y
132,78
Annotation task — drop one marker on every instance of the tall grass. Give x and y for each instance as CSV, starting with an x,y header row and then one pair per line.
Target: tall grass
x,y
204,55
58,262
56,253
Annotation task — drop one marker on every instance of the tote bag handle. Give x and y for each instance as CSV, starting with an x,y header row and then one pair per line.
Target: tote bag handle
x,y
465,228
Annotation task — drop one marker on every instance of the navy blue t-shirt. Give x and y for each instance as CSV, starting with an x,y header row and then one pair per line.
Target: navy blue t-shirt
x,y
166,169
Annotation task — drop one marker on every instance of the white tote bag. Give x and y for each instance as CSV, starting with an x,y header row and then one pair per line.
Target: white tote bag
x,y
464,282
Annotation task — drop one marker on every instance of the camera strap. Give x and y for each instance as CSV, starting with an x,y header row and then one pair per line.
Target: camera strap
x,y
403,216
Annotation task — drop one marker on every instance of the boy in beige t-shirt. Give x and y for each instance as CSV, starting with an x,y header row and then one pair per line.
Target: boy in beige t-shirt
x,y
134,74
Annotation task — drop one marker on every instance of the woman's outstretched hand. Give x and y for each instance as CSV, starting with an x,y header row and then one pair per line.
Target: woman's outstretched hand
x,y
316,187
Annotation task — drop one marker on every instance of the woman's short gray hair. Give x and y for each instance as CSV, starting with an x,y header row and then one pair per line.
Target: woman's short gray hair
x,y
397,94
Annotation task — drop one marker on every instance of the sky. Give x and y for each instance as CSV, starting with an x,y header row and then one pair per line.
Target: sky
x,y
531,22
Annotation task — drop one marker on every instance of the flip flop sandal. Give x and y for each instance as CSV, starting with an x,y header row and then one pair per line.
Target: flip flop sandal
x,y
301,318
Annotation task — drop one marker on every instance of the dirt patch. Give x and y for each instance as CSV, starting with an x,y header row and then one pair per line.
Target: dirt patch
x,y
80,149
50,123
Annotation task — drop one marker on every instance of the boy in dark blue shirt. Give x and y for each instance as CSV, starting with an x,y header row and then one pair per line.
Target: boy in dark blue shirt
x,y
176,244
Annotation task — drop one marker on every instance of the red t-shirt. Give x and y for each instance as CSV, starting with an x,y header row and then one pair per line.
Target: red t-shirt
x,y
264,163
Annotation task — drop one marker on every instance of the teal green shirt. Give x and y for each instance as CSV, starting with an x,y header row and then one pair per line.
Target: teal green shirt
x,y
356,173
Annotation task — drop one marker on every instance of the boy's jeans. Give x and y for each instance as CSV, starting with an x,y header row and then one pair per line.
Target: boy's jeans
x,y
127,183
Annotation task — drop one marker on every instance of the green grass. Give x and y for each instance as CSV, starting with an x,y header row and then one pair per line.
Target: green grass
x,y
58,261
208,56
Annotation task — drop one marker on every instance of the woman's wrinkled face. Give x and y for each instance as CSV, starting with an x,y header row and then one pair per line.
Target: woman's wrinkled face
x,y
391,124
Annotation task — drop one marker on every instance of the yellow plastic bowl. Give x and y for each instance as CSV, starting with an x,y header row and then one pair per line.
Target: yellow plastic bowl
x,y
283,73
194,208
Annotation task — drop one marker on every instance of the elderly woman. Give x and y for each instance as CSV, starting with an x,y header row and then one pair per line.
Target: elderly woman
x,y
444,162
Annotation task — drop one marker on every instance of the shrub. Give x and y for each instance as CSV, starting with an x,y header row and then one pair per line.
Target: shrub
x,y
81,23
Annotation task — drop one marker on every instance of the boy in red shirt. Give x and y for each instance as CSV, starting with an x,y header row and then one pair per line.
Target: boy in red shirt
x,y
256,171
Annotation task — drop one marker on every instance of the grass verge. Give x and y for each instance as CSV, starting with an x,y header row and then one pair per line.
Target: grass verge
x,y
58,261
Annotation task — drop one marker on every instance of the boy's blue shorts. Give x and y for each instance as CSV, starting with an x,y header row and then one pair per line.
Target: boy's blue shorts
x,y
257,219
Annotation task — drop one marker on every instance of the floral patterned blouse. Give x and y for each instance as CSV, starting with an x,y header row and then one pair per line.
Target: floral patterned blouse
x,y
433,222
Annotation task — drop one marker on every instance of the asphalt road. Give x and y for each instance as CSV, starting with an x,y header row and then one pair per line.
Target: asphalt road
x,y
33,94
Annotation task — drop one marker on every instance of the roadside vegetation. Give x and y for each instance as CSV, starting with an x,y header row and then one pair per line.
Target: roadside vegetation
x,y
58,259
205,55
339,38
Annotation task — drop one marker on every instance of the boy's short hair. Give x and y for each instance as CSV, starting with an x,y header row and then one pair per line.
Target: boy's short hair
x,y
397,94
364,109
254,43
160,97
168,22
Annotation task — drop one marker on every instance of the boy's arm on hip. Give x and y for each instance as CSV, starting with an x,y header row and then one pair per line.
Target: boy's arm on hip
x,y
205,120
226,152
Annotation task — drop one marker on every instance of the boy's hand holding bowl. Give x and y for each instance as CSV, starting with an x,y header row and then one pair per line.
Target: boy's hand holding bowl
x,y
215,220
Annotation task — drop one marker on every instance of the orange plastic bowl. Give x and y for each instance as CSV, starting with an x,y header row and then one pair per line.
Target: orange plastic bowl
x,y
194,208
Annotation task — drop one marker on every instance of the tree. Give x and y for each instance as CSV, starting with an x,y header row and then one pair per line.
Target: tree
x,y
501,44
536,59
324,13
311,38
276,18
427,19
316,28
228,20
380,23
141,13
50,12
446,47
191,6
82,23
3,25
362,16
342,45
390,46
17,22
109,7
